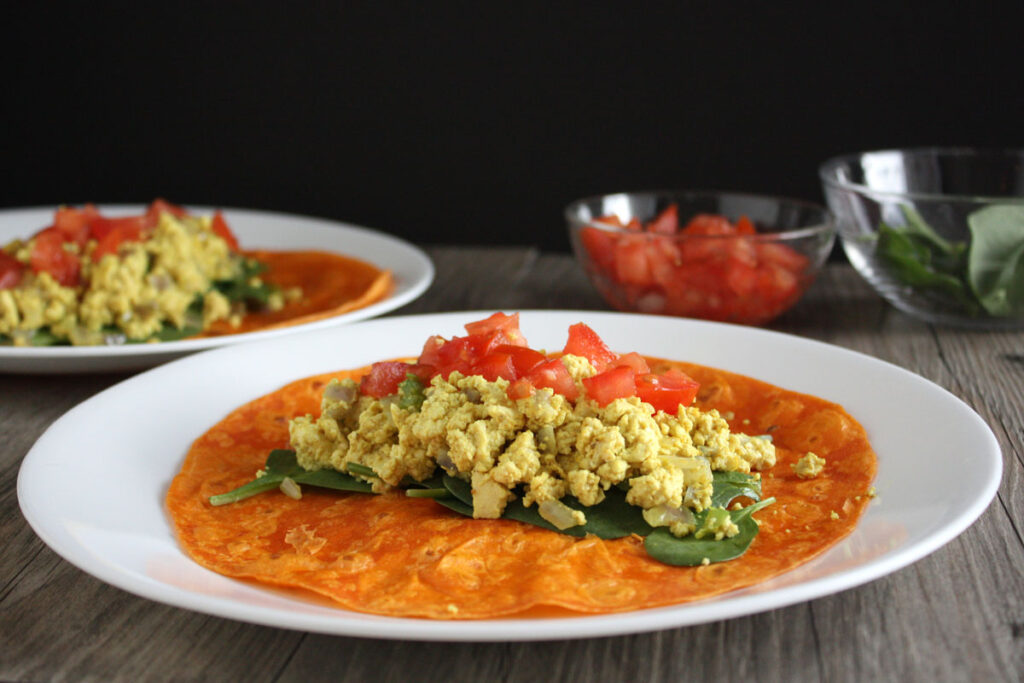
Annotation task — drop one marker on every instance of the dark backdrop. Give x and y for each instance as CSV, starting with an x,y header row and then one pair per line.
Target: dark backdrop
x,y
476,122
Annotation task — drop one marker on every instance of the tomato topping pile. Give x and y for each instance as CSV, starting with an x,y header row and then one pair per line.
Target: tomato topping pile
x,y
496,348
665,268
50,248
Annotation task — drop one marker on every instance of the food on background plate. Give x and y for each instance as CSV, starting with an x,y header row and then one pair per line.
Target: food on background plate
x,y
90,279
709,268
985,277
486,478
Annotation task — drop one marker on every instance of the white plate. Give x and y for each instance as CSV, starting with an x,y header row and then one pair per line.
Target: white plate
x,y
411,268
95,493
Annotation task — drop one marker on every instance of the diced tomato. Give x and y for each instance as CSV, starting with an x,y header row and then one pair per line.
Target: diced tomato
x,y
667,222
634,224
610,219
100,226
632,360
709,224
431,354
495,365
485,352
221,229
161,206
778,282
508,325
552,374
600,245
456,354
471,354
48,255
384,378
520,388
10,271
782,255
710,270
583,341
668,391
523,358
744,226
718,249
632,260
605,387
115,231
461,354
664,259
741,279
74,223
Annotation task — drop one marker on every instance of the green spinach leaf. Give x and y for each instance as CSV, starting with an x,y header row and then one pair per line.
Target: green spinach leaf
x,y
915,263
241,287
410,393
171,333
986,276
996,258
40,337
283,463
918,228
690,551
611,518
731,485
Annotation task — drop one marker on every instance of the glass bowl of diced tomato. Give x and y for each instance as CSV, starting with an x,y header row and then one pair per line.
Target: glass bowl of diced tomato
x,y
722,256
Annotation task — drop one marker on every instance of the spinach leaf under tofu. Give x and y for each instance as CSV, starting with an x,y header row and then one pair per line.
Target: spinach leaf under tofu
x,y
611,518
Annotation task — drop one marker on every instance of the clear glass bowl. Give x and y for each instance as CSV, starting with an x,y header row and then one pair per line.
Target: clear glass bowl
x,y
938,232
741,278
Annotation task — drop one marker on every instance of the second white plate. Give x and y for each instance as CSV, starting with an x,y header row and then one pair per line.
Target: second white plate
x,y
411,268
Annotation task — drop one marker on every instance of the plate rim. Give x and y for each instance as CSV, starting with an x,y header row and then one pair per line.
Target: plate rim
x,y
349,623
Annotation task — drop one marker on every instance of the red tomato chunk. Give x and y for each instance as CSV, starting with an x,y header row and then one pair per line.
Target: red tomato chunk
x,y
55,249
705,269
495,348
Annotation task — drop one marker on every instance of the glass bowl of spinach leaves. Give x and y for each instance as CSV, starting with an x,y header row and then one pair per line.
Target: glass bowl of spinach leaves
x,y
938,232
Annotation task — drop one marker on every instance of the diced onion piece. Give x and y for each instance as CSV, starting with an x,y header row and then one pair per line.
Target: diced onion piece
x,y
545,439
560,515
344,393
663,515
290,488
22,336
445,462
161,282
385,404
694,469
193,319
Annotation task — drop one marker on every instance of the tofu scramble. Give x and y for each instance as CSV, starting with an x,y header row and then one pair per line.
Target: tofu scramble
x,y
543,447
91,280
416,551
584,442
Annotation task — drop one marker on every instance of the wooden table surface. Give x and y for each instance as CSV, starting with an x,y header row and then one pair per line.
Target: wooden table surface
x,y
956,615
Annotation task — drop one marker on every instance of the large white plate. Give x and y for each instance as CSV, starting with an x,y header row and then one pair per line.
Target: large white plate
x,y
411,268
93,489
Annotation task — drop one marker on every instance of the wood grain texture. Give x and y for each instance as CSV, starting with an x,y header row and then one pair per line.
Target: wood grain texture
x,y
956,615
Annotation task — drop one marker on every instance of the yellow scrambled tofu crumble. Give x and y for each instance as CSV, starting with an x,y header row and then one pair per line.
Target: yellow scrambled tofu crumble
x,y
167,279
809,466
543,447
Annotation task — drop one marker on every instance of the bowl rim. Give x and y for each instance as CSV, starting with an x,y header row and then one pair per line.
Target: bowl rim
x,y
826,173
828,223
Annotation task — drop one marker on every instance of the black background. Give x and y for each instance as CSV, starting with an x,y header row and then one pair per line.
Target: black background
x,y
477,123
